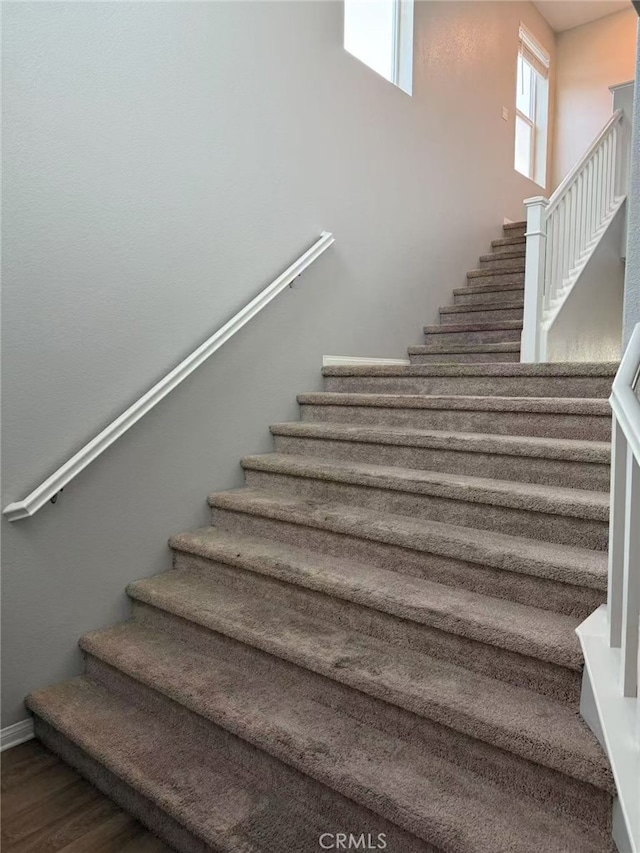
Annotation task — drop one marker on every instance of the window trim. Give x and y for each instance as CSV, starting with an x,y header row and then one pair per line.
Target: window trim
x,y
531,52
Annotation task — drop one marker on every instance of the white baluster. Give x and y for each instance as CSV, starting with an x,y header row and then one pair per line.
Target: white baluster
x,y
631,584
583,211
611,170
548,261
615,583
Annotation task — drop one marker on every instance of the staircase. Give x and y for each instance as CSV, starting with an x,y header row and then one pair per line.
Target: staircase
x,y
376,638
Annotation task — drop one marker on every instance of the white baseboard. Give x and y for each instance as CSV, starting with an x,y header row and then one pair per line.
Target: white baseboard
x,y
16,734
338,360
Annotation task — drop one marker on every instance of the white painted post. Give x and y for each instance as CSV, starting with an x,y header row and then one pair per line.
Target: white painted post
x,y
617,512
534,278
631,586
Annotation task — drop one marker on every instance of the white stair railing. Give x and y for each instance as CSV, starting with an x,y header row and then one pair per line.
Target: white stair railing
x,y
563,231
609,636
52,485
623,592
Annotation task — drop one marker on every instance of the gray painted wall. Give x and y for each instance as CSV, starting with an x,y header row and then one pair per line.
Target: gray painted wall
x,y
632,275
162,163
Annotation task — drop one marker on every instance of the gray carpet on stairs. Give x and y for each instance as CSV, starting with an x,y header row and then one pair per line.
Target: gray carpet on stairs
x,y
374,641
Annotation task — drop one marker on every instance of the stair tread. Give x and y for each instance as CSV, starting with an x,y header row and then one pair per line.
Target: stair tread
x,y
517,627
467,307
558,405
563,563
482,326
520,720
510,241
500,256
487,288
509,346
512,445
485,272
200,787
421,791
542,369
578,503
510,226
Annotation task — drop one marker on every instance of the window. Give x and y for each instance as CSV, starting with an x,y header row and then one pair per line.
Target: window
x,y
532,109
380,34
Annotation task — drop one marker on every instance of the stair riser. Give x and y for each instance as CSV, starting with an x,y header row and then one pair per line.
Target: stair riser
x,y
522,669
515,277
268,772
134,803
474,386
464,420
560,529
498,263
499,336
430,730
490,297
553,472
444,568
488,315
465,358
509,246
520,231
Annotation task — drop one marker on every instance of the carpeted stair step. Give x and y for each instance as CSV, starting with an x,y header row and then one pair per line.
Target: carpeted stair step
x,y
501,639
496,276
464,353
509,258
199,594
428,686
550,417
483,293
508,244
515,229
557,462
499,380
488,332
496,264
562,578
204,789
326,732
483,312
554,514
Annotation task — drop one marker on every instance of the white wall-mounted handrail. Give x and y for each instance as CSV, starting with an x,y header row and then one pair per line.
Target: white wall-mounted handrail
x,y
623,593
564,231
84,457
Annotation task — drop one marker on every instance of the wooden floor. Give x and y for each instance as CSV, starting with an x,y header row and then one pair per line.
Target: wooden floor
x,y
47,807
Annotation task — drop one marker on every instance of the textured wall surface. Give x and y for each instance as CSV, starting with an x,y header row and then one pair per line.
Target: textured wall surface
x,y
632,277
589,59
162,163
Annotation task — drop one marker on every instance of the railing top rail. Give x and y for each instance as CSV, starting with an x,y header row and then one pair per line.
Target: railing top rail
x,y
86,455
568,181
623,400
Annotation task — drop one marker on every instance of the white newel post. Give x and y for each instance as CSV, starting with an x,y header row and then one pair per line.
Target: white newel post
x,y
534,269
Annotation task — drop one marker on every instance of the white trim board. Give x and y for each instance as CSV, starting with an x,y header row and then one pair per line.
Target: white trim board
x,y
615,724
16,734
338,360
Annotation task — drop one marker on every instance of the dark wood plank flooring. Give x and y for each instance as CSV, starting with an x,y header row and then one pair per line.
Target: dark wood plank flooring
x,y
47,807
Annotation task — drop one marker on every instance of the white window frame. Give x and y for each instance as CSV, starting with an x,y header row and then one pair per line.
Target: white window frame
x,y
402,46
531,52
